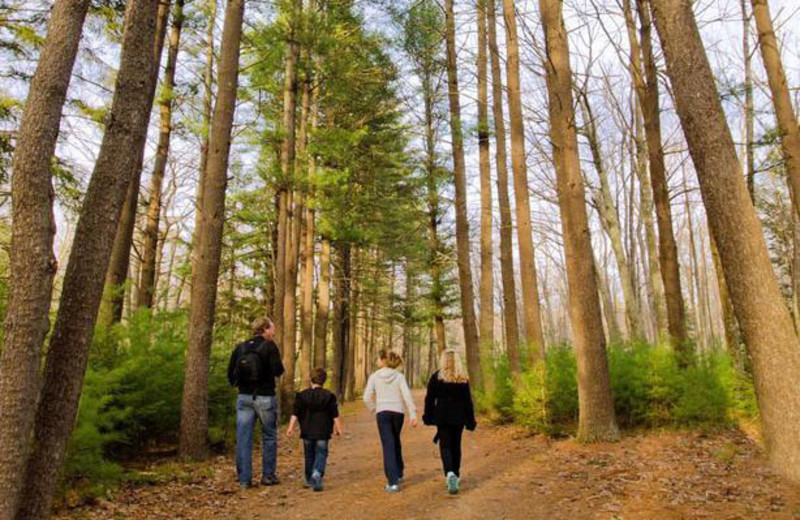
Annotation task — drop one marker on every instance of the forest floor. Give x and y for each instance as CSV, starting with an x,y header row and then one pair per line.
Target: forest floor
x,y
506,474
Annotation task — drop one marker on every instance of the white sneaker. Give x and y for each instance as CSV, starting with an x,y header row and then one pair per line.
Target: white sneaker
x,y
452,483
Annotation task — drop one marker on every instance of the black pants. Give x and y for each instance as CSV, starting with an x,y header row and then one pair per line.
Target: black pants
x,y
390,424
450,447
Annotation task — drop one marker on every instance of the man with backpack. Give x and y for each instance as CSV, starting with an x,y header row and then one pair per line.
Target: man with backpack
x,y
253,367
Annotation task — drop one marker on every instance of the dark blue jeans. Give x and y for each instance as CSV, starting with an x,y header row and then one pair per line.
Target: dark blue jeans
x,y
265,409
390,424
316,455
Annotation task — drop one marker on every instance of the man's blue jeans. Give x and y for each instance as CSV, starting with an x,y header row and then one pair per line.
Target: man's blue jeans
x,y
316,455
265,408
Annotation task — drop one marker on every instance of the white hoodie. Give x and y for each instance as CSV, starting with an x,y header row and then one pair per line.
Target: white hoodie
x,y
387,391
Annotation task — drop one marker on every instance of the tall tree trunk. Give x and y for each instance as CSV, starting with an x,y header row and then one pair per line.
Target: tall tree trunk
x,y
123,142
763,317
117,274
323,304
462,222
698,303
655,280
596,420
609,217
147,287
287,157
510,317
352,336
435,257
341,318
32,262
194,411
749,112
307,257
486,286
609,310
731,327
781,99
648,97
208,99
534,337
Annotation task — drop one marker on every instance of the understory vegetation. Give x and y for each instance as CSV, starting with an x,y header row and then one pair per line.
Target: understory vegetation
x,y
649,387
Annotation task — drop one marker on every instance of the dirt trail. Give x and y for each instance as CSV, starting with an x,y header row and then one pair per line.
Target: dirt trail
x,y
505,475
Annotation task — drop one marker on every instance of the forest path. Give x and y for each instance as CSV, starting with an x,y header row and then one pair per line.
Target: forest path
x,y
505,475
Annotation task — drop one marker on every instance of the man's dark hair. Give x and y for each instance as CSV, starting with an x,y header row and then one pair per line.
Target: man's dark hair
x,y
318,376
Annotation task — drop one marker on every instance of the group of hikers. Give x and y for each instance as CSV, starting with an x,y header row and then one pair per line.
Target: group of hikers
x,y
256,363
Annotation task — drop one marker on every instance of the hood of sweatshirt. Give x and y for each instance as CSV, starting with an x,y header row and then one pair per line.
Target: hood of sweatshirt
x,y
387,375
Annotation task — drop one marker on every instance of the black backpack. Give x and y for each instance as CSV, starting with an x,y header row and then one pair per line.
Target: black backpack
x,y
250,367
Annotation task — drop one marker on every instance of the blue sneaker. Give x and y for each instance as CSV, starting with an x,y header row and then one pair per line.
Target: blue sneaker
x,y
316,481
392,488
452,483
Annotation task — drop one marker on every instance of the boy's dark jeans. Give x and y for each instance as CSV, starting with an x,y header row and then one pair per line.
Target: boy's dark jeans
x,y
450,448
316,455
390,424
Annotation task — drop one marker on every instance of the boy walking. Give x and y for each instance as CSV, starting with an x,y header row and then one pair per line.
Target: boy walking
x,y
253,367
318,414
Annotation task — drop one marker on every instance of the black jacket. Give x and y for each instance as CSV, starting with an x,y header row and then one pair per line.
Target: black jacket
x,y
448,404
270,360
315,409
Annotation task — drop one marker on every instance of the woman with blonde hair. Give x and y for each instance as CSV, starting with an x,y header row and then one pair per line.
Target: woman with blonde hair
x,y
388,396
448,406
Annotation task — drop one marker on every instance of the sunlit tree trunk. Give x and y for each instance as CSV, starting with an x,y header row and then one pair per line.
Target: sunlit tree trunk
x,y
749,113
462,222
32,264
307,258
534,337
596,420
147,284
323,304
486,287
122,145
510,316
781,99
609,218
648,97
764,320
117,274
194,410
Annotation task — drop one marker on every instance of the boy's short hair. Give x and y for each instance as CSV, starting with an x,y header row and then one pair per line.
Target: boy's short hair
x,y
319,376
259,325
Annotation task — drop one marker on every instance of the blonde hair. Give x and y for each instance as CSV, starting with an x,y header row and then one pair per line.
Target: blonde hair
x,y
450,368
390,358
259,325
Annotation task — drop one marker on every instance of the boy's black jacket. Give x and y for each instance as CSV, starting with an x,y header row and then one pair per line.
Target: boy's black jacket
x,y
315,409
270,361
448,404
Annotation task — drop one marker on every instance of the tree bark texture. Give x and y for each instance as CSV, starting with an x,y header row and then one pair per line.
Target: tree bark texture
x,y
510,313
486,284
462,222
147,284
781,98
208,250
114,293
596,420
534,336
32,262
123,143
764,320
648,97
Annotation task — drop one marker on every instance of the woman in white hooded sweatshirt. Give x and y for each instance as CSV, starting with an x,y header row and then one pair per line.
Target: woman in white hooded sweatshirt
x,y
388,396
